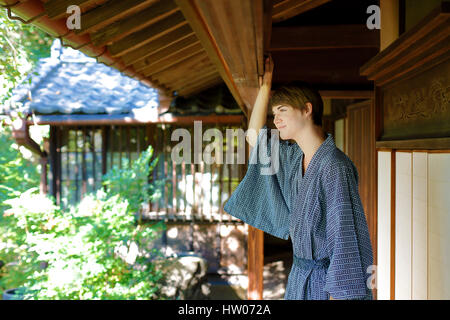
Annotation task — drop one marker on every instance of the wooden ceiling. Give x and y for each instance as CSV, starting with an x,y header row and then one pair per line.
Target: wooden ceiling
x,y
186,46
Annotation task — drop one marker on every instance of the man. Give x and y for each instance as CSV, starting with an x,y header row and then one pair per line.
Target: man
x,y
312,197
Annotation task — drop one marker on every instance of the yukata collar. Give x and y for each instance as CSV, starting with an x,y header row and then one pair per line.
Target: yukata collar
x,y
324,148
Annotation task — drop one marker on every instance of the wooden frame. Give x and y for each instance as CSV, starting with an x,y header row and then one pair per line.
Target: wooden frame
x,y
285,9
393,188
323,37
416,144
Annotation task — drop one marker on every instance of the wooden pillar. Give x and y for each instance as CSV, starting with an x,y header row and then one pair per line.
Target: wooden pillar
x,y
255,245
255,258
43,183
390,31
389,22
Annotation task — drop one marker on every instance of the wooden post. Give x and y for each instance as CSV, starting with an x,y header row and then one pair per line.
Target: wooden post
x,y
43,183
389,22
255,263
255,244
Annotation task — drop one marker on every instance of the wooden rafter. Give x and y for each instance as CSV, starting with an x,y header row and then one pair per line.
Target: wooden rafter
x,y
201,86
285,9
139,38
166,52
194,16
109,13
208,72
169,61
194,64
222,26
56,9
198,81
157,44
133,23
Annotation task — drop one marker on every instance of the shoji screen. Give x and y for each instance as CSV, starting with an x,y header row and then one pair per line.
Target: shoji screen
x,y
421,225
403,225
384,226
419,237
439,226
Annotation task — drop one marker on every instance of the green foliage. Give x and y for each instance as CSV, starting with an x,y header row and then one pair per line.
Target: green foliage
x,y
95,250
21,47
30,213
132,184
17,174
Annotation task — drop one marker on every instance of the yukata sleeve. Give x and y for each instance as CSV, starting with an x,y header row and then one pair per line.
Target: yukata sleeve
x,y
262,198
348,241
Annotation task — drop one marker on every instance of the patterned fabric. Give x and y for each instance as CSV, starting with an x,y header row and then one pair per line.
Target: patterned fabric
x,y
320,211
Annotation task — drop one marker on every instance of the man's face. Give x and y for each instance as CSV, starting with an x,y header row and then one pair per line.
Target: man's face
x,y
288,120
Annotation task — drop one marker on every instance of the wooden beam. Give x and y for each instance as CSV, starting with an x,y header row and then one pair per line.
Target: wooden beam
x,y
171,60
255,243
56,9
184,68
110,12
205,67
200,26
423,46
333,68
389,22
166,52
415,144
133,23
267,31
195,89
346,94
177,86
144,36
198,81
158,44
286,9
323,37
108,120
207,72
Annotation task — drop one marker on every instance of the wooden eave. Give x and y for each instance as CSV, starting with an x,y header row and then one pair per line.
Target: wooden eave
x,y
182,46
424,46
151,40
126,119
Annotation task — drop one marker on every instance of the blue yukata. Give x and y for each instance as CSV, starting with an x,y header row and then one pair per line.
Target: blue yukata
x,y
320,211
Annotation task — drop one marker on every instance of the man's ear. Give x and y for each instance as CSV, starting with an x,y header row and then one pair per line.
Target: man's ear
x,y
308,108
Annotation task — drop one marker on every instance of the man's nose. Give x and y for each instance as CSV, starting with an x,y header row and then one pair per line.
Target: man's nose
x,y
276,119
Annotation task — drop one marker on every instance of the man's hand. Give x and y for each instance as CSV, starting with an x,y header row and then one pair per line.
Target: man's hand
x,y
268,71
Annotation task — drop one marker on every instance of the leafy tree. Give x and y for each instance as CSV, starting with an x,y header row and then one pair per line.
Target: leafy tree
x,y
95,250
17,174
21,47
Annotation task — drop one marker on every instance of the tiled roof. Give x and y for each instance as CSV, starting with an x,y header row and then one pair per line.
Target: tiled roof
x,y
69,82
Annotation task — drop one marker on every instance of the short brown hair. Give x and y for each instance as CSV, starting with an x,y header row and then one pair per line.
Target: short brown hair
x,y
297,94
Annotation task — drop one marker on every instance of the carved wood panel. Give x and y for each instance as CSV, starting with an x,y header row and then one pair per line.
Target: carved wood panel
x,y
418,107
